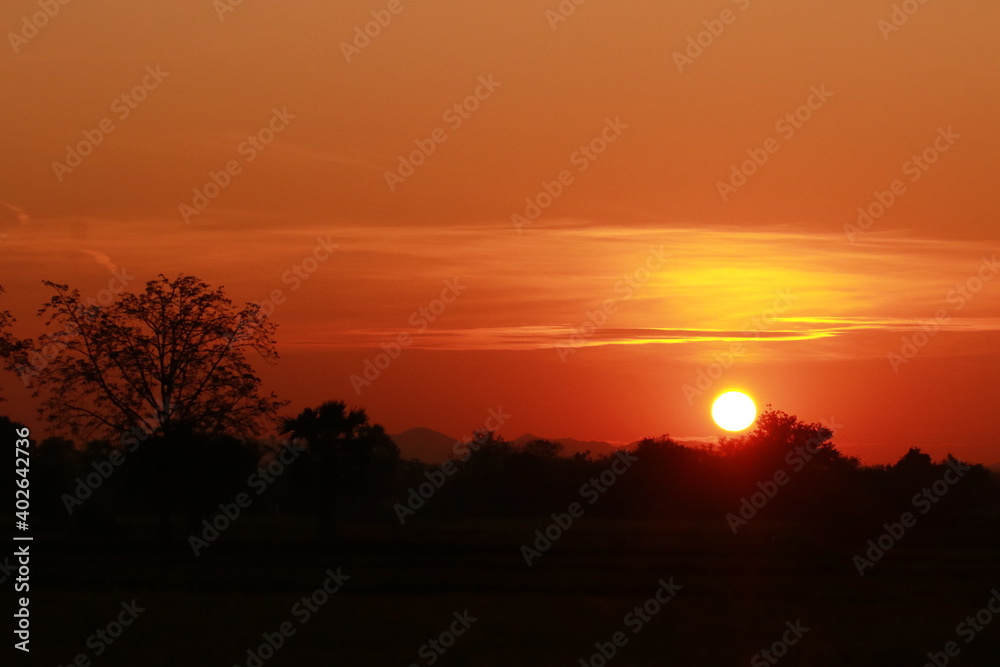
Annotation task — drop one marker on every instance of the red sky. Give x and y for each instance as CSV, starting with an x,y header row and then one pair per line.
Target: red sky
x,y
650,201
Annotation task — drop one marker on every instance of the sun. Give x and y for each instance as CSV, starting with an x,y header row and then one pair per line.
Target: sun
x,y
734,411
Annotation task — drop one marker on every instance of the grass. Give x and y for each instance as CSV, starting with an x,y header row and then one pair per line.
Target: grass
x,y
738,593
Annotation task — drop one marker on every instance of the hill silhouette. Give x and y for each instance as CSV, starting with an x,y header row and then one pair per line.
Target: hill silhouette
x,y
430,446
424,444
571,446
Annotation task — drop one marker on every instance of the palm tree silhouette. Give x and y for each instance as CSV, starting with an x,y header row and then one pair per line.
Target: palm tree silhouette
x,y
328,433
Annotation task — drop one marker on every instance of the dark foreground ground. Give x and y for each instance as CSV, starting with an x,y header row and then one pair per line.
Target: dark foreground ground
x,y
405,587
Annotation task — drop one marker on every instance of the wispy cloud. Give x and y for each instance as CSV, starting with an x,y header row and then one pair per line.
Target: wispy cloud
x,y
102,259
538,289
543,337
716,284
20,213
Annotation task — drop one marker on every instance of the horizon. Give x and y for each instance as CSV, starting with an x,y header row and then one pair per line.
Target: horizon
x,y
885,456
601,256
378,332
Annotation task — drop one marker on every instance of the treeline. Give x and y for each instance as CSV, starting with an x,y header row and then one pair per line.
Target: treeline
x,y
332,465
165,375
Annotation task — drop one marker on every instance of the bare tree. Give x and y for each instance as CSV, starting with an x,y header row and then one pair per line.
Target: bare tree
x,y
169,362
171,359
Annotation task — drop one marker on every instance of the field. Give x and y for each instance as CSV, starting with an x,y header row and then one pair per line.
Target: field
x,y
407,583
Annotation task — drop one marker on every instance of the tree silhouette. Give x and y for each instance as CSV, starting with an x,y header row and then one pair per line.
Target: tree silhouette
x,y
347,451
776,434
171,358
543,449
10,347
914,461
167,362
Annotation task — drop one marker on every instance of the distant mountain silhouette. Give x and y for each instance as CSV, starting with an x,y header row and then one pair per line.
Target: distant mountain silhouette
x,y
572,446
425,444
432,446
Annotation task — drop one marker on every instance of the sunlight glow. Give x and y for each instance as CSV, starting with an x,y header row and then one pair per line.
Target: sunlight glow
x,y
734,411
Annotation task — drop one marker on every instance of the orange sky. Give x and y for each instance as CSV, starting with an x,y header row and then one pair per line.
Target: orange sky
x,y
640,232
